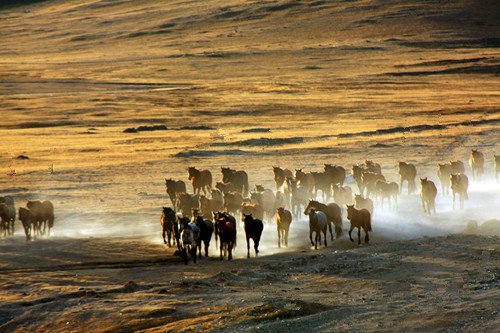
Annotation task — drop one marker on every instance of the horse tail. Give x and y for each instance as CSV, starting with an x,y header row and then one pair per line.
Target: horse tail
x,y
369,222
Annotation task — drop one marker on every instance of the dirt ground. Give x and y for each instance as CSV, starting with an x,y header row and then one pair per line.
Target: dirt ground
x,y
247,85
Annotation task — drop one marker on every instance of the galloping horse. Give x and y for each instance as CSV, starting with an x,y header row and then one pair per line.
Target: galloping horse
x,y
476,162
200,179
359,219
226,230
428,194
408,172
317,224
253,230
332,212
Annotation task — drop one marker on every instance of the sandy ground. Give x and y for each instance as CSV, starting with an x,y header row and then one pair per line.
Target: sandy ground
x,y
249,85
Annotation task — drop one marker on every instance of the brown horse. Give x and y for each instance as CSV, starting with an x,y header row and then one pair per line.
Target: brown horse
x,y
459,185
335,174
457,167
188,202
444,173
238,178
322,182
280,176
305,179
497,166
253,230
368,180
226,230
255,210
342,195
356,171
476,161
28,219
359,219
366,203
387,190
232,202
333,215
407,172
206,230
173,187
167,222
428,194
317,224
207,206
283,220
200,179
44,213
373,167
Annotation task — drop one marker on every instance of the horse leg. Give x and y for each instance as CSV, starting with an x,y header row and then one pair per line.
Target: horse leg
x,y
330,227
311,238
256,247
286,237
359,235
207,245
248,247
279,237
230,249
221,246
367,239
350,229
325,232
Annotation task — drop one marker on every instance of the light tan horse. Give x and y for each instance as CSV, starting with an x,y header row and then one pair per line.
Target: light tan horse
x,y
476,161
459,185
408,172
444,173
283,220
428,194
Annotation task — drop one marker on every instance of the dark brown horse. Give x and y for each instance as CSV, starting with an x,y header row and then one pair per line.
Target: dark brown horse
x,y
407,172
206,231
335,174
444,173
200,179
44,213
227,233
173,187
253,230
361,202
333,215
28,219
238,178
167,221
359,219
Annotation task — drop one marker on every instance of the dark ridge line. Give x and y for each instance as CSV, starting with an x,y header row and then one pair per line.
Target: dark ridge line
x,y
444,62
92,265
477,69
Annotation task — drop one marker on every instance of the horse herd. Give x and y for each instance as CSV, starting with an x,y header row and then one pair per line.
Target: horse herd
x,y
212,210
37,218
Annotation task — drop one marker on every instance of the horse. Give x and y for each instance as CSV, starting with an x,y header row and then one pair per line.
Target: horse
x,y
254,209
283,220
298,196
253,230
8,214
280,176
28,220
428,194
335,174
444,173
342,195
359,219
226,230
190,233
387,190
232,202
267,199
373,167
167,222
497,166
459,185
356,171
221,215
200,179
207,206
172,188
206,231
44,213
188,202
407,172
457,167
322,182
476,161
238,178
366,203
333,215
317,224
306,180
368,180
